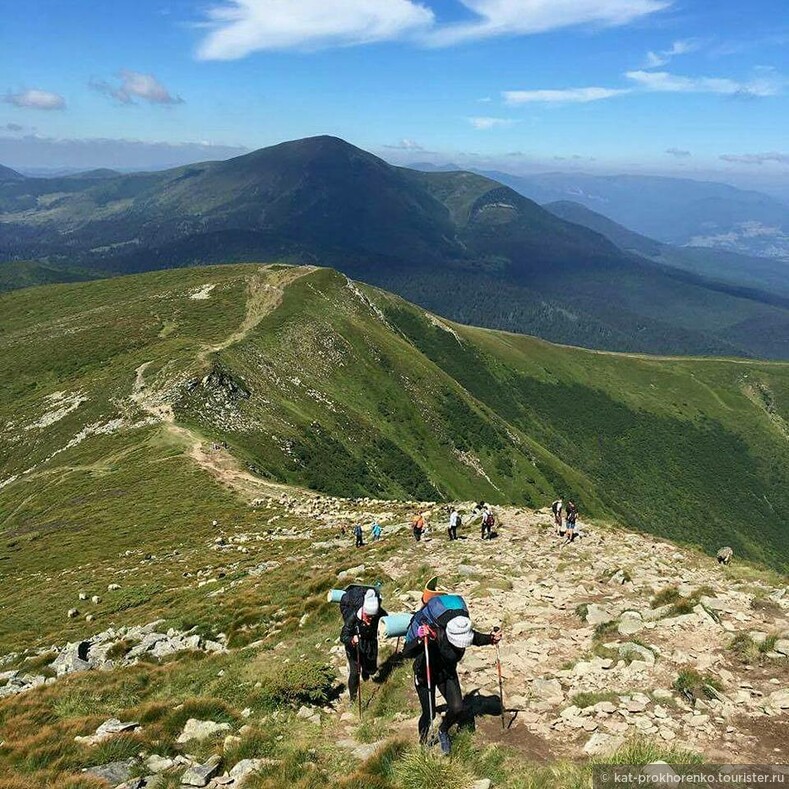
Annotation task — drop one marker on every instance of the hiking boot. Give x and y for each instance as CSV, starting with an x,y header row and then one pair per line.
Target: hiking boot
x,y
444,742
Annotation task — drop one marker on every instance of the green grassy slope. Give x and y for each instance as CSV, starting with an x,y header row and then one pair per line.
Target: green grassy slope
x,y
313,380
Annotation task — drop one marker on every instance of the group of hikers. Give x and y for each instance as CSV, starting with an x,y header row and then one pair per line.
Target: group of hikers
x,y
436,644
566,520
438,634
419,525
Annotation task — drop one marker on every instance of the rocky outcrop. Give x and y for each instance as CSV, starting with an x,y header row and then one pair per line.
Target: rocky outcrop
x,y
97,653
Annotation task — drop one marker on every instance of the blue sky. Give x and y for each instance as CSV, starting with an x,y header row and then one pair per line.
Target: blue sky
x,y
693,86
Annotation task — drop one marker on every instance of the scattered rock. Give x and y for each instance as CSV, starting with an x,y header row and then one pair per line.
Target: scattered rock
x,y
246,768
598,614
108,729
548,689
201,774
201,730
600,744
113,772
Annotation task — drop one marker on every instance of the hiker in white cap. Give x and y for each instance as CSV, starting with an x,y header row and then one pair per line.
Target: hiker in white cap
x,y
360,637
446,644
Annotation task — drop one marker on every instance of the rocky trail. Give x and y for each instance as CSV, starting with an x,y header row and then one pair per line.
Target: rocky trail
x,y
590,656
617,636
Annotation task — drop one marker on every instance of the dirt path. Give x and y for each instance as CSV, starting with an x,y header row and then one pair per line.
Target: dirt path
x,y
265,291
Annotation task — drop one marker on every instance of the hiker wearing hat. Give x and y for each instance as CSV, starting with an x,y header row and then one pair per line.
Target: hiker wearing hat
x,y
446,646
360,638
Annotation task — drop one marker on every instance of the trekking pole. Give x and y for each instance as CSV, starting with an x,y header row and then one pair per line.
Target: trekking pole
x,y
359,671
429,738
501,680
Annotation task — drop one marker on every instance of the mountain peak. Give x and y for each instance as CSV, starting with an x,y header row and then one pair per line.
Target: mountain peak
x,y
7,174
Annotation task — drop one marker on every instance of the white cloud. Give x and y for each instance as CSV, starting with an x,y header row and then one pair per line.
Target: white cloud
x,y
756,158
406,145
678,153
240,27
484,123
136,85
36,99
522,17
664,82
561,96
682,47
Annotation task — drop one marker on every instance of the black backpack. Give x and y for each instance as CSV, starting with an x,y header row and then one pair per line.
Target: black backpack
x,y
353,599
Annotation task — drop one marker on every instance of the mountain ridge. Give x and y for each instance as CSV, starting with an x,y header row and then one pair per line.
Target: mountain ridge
x,y
508,262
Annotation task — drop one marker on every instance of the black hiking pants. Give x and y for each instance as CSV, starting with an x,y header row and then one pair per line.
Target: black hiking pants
x,y
453,532
354,670
450,690
359,540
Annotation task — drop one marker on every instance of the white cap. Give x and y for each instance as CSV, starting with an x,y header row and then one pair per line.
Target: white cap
x,y
370,606
459,632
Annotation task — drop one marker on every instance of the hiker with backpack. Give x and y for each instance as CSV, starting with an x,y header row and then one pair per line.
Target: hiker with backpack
x,y
437,639
572,517
454,522
376,531
361,611
556,509
488,522
418,527
358,532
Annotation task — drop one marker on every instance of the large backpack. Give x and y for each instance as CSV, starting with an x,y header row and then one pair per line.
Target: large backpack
x,y
353,599
436,613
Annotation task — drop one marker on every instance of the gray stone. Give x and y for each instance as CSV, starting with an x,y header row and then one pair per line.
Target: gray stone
x,y
467,569
158,764
483,783
782,647
114,772
201,730
598,614
201,774
600,744
780,699
635,652
547,689
365,751
74,657
246,768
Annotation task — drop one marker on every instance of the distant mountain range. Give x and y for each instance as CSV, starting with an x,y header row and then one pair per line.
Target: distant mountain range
x,y
672,210
748,271
459,243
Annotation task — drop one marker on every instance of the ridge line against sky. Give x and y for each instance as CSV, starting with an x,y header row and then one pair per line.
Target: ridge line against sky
x,y
693,87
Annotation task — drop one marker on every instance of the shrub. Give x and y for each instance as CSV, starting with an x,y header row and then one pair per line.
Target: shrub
x,y
425,769
745,648
604,629
589,699
305,682
692,684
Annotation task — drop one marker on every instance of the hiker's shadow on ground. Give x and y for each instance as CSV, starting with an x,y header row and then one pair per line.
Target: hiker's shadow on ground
x,y
475,705
387,667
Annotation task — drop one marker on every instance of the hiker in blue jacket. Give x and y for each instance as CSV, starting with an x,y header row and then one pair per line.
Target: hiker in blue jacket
x,y
447,644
